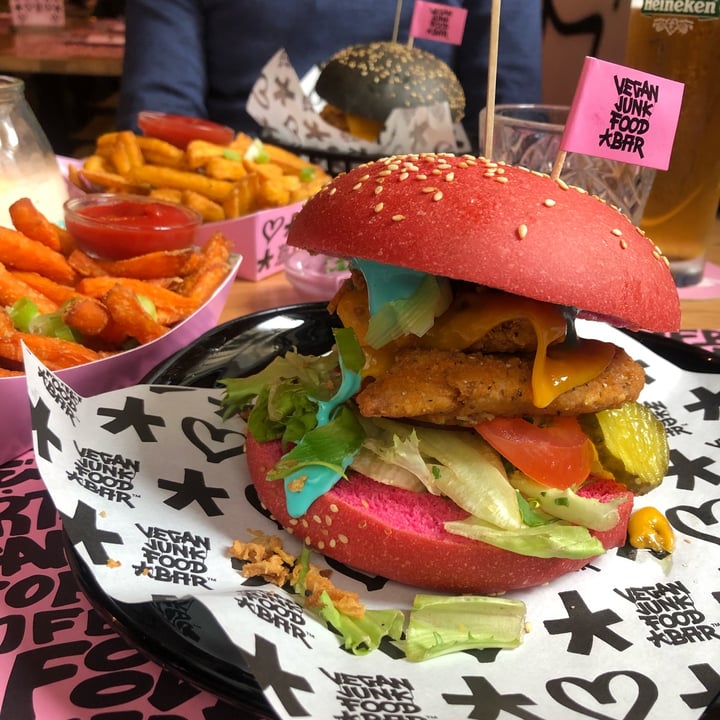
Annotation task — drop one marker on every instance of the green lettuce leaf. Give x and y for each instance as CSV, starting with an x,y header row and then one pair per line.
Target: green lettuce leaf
x,y
326,445
567,504
439,625
545,541
360,635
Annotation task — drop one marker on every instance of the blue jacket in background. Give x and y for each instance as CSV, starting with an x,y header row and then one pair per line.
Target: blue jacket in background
x,y
202,57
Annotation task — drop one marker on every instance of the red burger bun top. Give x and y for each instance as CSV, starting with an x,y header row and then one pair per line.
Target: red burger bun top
x,y
506,227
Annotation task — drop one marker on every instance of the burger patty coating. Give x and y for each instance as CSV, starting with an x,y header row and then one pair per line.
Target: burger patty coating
x,y
456,388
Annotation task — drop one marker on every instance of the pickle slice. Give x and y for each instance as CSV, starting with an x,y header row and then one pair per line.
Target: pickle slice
x,y
631,444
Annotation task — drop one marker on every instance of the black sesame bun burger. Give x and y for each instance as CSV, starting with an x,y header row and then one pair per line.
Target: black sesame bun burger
x,y
363,84
461,436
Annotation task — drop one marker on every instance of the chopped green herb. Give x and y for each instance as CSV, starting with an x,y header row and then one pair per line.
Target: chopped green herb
x,y
256,152
148,306
231,154
307,174
22,312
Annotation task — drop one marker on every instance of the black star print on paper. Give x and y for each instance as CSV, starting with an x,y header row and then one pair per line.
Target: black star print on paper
x,y
708,402
687,471
265,666
132,415
314,131
584,625
710,680
282,91
169,389
488,703
649,380
265,261
82,528
39,416
193,489
418,133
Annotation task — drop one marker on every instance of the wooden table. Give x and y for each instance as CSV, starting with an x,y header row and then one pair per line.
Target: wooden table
x,y
275,291
62,51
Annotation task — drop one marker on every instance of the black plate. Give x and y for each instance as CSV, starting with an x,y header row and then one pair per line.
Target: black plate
x,y
205,657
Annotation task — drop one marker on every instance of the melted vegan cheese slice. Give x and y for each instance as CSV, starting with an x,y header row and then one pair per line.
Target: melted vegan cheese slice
x,y
363,127
557,368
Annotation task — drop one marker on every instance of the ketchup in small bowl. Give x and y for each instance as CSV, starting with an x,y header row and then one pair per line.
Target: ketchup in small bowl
x,y
115,226
179,130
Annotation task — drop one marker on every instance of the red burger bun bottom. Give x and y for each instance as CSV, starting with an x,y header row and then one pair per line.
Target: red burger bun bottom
x,y
398,534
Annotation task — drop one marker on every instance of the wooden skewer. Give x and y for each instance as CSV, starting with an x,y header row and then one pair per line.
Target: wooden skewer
x,y
492,76
396,26
558,164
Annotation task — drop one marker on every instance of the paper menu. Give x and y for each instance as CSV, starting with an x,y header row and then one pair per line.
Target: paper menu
x,y
629,637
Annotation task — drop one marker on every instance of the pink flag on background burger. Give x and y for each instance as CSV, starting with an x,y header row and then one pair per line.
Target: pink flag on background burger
x,y
433,21
624,114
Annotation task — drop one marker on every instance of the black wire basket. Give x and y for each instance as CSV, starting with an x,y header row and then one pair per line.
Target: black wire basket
x,y
332,161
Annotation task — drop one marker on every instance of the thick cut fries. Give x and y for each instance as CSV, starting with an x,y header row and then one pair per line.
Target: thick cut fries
x,y
6,324
23,253
171,307
155,176
84,265
86,315
56,292
219,181
210,210
129,315
54,352
107,305
31,222
161,264
13,288
201,283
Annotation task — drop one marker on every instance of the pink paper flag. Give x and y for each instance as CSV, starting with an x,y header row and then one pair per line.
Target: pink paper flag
x,y
433,21
623,114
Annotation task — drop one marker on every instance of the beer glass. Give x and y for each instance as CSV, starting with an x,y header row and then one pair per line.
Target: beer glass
x,y
680,213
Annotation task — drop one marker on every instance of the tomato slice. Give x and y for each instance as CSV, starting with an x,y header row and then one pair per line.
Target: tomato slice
x,y
179,130
556,453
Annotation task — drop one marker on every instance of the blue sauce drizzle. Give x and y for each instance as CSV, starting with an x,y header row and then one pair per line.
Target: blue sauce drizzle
x,y
318,479
386,283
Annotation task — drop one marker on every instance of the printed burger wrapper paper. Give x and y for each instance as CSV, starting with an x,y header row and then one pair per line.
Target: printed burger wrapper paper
x,y
289,114
152,487
117,371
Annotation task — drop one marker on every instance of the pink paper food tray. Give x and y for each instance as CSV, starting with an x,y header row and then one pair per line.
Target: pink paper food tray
x,y
111,373
259,238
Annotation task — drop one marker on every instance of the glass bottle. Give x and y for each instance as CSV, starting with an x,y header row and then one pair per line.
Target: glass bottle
x,y
28,167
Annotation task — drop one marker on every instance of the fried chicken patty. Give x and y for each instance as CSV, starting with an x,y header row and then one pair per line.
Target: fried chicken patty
x,y
457,388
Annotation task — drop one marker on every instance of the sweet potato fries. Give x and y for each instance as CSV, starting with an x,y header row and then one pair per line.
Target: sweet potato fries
x,y
70,308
